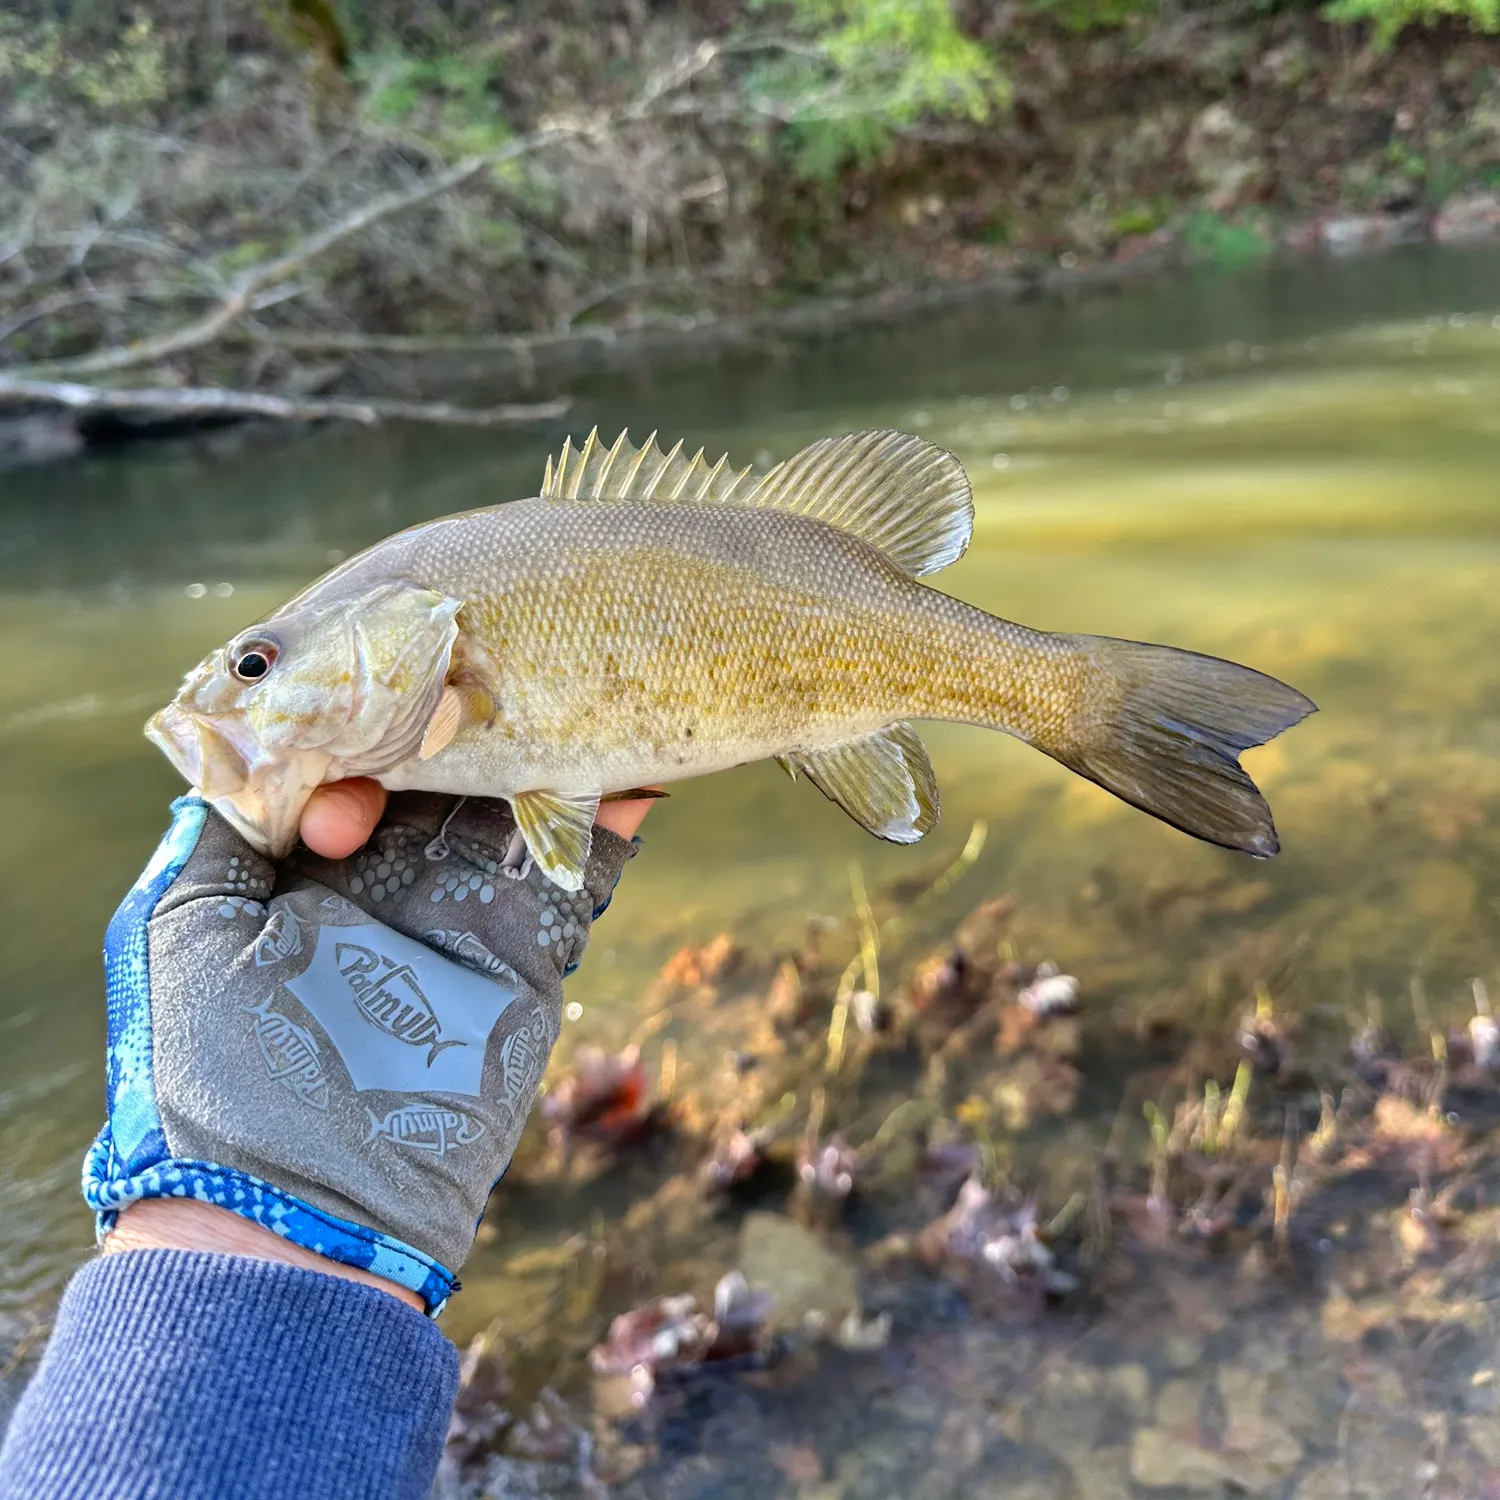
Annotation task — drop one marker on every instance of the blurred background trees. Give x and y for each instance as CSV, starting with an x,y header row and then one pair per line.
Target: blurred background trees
x,y
640,160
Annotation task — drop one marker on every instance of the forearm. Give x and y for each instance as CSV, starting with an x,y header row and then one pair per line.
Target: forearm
x,y
186,1373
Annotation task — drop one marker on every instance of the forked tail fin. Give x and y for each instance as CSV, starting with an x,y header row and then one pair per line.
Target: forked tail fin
x,y
1163,730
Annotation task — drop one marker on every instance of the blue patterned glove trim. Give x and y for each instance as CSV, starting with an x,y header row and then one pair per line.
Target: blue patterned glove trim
x,y
135,1125
323,1233
599,911
130,1159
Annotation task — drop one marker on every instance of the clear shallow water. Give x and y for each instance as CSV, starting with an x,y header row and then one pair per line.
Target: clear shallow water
x,y
1299,469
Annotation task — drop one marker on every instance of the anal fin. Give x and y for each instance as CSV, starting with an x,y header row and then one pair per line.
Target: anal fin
x,y
884,781
559,831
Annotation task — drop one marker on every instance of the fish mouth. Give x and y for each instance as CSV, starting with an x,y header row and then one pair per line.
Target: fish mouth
x,y
261,800
205,757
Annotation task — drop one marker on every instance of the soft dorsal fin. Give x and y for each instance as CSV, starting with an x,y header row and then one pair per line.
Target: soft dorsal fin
x,y
900,493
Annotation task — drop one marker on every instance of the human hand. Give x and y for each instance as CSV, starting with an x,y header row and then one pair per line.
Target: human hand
x,y
340,817
352,1086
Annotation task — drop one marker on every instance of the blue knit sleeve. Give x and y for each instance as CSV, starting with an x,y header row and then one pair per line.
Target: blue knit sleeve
x,y
176,1373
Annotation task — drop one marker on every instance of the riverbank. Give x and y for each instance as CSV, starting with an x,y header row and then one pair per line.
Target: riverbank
x,y
224,214
518,369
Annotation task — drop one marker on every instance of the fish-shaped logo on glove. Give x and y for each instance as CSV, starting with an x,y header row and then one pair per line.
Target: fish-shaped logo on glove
x,y
425,1127
390,999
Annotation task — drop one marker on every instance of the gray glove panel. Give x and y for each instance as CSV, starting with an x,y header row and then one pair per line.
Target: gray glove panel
x,y
368,1034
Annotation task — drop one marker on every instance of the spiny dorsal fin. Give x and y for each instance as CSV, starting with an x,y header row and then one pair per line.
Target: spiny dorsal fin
x,y
624,472
898,492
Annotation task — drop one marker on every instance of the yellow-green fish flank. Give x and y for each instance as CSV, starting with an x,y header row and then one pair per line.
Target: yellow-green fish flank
x,y
648,618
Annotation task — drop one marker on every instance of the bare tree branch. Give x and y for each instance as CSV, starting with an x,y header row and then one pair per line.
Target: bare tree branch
x,y
215,402
245,295
48,307
234,302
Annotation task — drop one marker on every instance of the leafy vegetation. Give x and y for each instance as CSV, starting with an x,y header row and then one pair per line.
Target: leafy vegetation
x,y
1212,237
38,62
1389,18
451,96
1082,16
868,70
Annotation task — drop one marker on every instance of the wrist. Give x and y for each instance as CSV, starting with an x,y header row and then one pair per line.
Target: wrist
x,y
186,1224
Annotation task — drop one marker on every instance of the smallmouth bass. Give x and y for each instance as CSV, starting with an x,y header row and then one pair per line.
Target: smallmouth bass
x,y
649,617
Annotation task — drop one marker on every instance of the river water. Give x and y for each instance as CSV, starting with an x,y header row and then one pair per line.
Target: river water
x,y
1296,467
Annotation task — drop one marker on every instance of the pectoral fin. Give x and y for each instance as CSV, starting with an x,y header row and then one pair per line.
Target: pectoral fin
x,y
883,781
462,704
559,832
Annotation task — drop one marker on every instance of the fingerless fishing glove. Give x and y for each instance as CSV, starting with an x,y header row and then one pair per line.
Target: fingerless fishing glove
x,y
342,1051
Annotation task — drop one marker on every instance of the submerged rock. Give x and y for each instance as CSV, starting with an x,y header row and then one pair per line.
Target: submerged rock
x,y
829,1169
1050,993
805,1280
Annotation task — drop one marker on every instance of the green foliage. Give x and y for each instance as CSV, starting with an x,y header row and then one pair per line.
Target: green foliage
x,y
127,80
450,97
1405,161
994,230
1230,245
871,69
1081,16
242,256
1444,178
1145,218
1389,18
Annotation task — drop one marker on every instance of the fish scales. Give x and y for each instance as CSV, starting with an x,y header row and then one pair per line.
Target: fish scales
x,y
649,618
640,643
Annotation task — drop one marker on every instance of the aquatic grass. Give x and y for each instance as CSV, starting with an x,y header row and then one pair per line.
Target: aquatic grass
x,y
871,934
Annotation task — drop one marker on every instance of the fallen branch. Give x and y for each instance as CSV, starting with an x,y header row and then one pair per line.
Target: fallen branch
x,y
331,342
170,401
250,289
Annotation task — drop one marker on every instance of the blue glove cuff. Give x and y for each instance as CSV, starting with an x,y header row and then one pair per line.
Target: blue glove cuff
x,y
130,1158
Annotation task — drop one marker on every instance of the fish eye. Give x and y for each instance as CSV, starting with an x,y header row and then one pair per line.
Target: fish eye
x,y
253,659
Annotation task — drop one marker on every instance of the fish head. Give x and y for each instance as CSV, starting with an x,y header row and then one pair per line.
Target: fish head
x,y
316,692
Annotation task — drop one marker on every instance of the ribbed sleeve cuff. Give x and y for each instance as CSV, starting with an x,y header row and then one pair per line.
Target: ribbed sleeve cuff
x,y
183,1374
